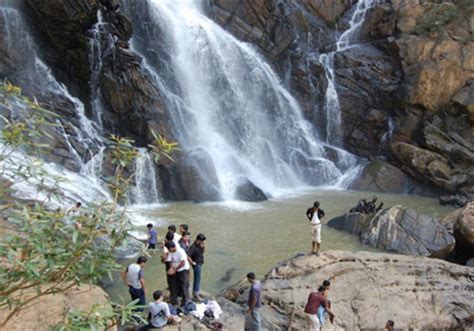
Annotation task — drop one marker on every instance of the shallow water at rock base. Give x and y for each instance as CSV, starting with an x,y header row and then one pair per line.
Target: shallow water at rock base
x,y
243,237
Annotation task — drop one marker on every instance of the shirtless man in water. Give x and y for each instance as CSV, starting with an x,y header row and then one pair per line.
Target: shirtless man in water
x,y
314,215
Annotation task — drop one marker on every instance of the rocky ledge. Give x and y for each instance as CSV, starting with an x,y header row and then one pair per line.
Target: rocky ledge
x,y
367,289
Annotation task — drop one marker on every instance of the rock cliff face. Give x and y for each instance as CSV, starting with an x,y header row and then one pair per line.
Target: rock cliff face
x,y
367,289
405,87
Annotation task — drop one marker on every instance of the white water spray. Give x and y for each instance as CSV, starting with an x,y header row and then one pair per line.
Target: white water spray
x,y
228,103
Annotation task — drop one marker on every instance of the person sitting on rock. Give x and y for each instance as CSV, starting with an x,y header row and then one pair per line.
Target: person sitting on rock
x,y
314,215
159,313
316,299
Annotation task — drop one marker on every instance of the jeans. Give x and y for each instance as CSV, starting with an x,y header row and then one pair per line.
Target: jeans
x,y
137,294
253,321
197,278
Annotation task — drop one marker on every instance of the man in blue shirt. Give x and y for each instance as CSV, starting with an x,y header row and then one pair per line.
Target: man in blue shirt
x,y
152,237
254,302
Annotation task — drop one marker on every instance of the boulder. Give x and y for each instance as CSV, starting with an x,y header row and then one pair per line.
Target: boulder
x,y
424,163
363,283
50,310
247,191
460,224
192,177
465,98
453,200
464,227
355,223
403,230
380,176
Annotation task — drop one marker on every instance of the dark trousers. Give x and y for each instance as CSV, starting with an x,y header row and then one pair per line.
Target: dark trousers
x,y
179,285
197,278
137,294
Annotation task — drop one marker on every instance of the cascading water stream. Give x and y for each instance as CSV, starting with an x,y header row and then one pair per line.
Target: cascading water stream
x,y
145,189
231,106
345,41
85,186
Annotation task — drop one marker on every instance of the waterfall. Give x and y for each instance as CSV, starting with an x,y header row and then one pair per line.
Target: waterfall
x,y
226,102
101,44
145,189
332,107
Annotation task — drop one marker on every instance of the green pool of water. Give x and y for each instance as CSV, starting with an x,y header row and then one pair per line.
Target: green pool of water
x,y
254,237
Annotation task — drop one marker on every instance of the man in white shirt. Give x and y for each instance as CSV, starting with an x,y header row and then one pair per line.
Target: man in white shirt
x,y
314,215
133,278
179,273
176,236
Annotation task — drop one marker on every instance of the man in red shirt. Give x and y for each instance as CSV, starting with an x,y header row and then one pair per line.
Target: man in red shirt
x,y
315,300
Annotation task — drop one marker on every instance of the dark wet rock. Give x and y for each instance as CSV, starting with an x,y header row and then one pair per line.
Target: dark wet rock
x,y
192,177
248,191
366,78
453,200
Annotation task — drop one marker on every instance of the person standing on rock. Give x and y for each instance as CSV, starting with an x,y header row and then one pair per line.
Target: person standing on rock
x,y
196,258
314,215
133,279
315,300
179,273
254,302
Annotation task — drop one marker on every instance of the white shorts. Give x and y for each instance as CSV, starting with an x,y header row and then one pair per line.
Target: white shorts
x,y
316,233
313,322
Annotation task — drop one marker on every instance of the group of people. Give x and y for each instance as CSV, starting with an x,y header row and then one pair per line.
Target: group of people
x,y
180,255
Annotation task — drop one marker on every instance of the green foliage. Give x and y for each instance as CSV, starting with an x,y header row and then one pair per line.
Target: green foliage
x,y
162,147
53,251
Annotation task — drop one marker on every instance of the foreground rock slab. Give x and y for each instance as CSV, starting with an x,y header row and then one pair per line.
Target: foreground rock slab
x,y
368,289
50,310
